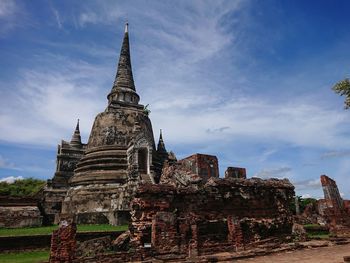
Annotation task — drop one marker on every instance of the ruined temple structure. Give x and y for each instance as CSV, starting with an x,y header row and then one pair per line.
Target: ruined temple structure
x,y
206,217
331,193
52,196
119,155
335,210
219,215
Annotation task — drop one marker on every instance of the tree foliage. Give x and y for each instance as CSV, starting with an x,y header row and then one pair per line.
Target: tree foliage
x,y
303,202
21,188
343,88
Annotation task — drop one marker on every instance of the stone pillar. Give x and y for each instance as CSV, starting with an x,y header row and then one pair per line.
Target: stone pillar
x,y
235,235
297,207
193,244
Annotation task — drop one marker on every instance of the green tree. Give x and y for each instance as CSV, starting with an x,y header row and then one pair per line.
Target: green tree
x,y
22,188
343,88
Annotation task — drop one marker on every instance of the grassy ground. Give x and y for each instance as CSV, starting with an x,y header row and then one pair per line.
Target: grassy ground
x,y
318,235
44,230
25,257
315,231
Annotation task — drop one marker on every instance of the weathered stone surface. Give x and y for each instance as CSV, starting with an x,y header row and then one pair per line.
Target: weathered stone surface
x,y
94,247
337,215
52,196
120,154
235,172
299,232
122,241
222,215
203,165
20,216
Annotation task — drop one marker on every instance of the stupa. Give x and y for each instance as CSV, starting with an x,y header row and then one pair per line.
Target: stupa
x,y
120,154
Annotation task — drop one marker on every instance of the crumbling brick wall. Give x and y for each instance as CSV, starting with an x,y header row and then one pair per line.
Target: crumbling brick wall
x,y
336,213
222,215
331,192
203,165
236,172
63,242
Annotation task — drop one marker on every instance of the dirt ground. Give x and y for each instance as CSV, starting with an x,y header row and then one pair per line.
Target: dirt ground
x,y
333,254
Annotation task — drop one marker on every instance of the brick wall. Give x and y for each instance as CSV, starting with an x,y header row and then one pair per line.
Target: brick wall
x,y
222,215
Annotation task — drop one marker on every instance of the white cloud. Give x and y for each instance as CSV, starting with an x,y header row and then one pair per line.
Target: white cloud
x,y
306,196
293,122
100,15
310,184
49,100
86,18
190,106
11,179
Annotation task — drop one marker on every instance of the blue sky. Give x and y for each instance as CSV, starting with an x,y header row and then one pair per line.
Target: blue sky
x,y
248,81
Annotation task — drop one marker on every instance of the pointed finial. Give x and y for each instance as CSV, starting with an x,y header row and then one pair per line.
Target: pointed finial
x,y
126,27
161,145
76,139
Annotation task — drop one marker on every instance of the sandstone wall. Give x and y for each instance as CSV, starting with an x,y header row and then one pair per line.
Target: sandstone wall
x,y
20,216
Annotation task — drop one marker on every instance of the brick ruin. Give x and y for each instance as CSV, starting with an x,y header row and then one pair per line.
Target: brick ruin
x,y
63,241
187,215
219,215
336,212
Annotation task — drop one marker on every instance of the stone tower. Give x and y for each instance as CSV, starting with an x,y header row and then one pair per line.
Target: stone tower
x,y
120,154
68,155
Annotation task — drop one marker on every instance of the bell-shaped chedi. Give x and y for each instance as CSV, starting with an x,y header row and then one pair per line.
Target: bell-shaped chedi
x,y
120,154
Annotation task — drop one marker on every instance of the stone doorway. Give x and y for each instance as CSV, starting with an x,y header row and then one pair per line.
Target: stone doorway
x,y
142,157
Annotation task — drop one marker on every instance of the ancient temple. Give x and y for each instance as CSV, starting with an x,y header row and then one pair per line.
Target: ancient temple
x,y
119,155
68,155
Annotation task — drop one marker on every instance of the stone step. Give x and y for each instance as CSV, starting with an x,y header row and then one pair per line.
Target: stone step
x,y
102,160
102,166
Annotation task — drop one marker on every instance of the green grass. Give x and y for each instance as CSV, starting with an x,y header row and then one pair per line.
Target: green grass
x,y
88,228
46,230
318,236
25,257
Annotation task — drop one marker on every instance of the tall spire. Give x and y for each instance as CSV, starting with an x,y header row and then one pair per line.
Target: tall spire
x,y
161,145
76,138
124,87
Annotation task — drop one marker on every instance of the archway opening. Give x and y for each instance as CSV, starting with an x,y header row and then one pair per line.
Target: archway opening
x,y
143,160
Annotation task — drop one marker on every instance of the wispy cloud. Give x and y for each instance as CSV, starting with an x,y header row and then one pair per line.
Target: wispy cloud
x,y
335,154
5,163
8,13
217,81
54,106
280,172
266,154
57,17
7,8
310,184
